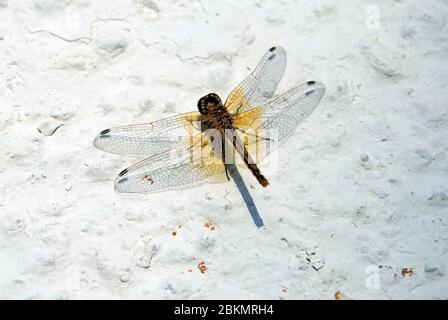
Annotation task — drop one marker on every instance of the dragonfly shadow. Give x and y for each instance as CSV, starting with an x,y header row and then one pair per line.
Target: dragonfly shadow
x,y
234,173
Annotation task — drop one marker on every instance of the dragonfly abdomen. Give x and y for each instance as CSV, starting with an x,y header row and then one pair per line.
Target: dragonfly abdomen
x,y
258,175
249,162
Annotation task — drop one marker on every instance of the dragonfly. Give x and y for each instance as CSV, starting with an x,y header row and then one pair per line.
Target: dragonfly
x,y
193,148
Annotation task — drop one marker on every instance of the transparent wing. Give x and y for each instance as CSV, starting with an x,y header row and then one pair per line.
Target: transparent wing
x,y
183,167
261,84
265,128
149,138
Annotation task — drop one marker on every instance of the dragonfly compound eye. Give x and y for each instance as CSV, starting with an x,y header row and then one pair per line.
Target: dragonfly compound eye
x,y
203,106
210,100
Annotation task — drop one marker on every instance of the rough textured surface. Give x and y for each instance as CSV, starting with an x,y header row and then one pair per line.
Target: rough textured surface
x,y
358,208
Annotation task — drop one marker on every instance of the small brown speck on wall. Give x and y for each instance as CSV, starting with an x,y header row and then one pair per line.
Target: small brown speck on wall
x,y
209,225
338,295
173,233
202,267
407,272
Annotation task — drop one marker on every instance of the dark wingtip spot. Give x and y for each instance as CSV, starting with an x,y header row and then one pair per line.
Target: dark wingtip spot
x,y
105,132
311,83
272,49
271,57
122,173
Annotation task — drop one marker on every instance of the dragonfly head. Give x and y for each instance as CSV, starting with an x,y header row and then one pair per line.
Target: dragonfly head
x,y
208,102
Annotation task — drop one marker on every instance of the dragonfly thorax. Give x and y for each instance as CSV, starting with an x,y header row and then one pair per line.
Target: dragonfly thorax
x,y
214,112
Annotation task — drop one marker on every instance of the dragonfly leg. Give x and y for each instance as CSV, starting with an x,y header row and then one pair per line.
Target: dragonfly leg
x,y
227,173
223,152
239,107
